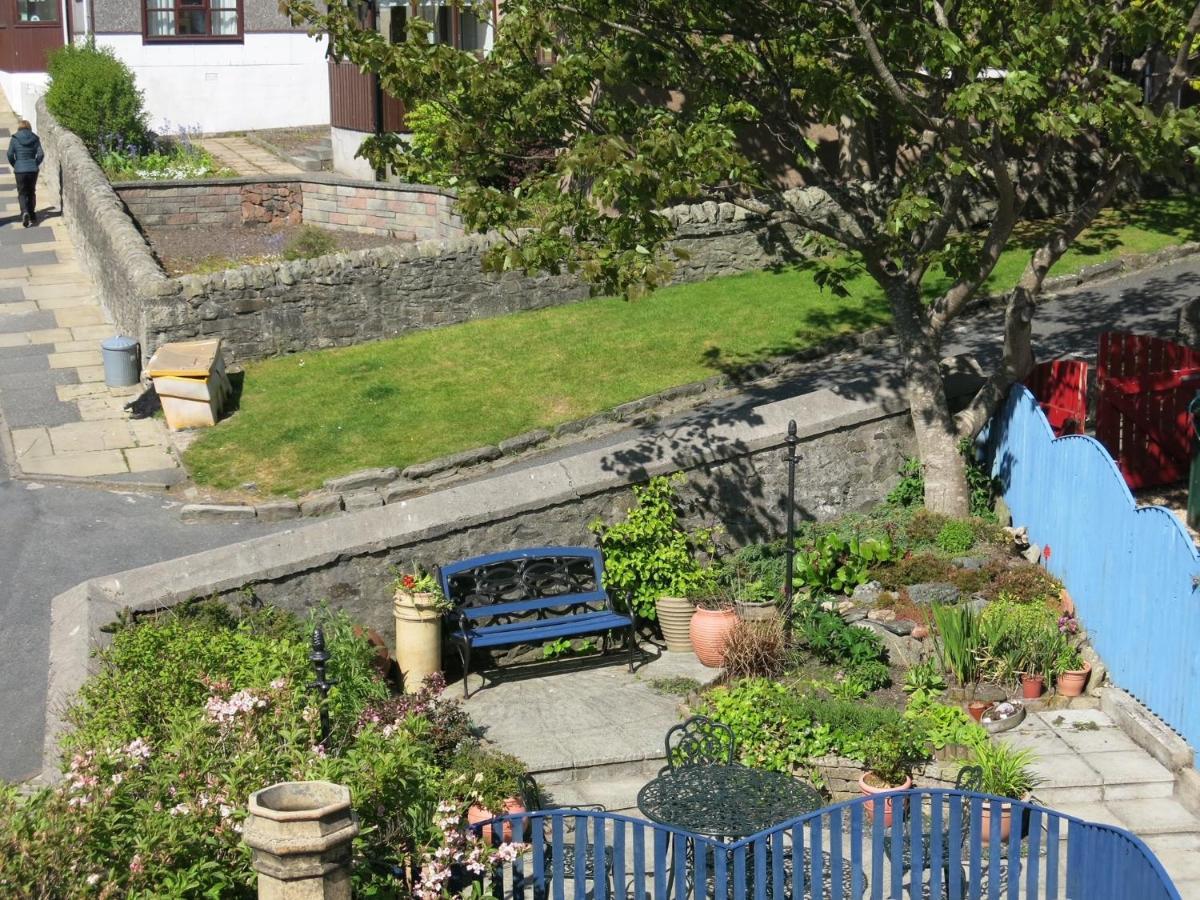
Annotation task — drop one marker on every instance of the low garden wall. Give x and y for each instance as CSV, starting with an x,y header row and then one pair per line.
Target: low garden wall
x,y
344,298
405,212
736,476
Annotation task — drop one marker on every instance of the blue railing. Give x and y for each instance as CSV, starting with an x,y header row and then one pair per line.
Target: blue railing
x,y
946,844
1132,571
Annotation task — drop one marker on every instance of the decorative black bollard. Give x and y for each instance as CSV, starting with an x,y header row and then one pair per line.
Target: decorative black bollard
x,y
319,656
790,549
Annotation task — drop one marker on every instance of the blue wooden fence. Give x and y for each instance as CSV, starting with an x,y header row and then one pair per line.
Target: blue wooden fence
x,y
1131,571
937,849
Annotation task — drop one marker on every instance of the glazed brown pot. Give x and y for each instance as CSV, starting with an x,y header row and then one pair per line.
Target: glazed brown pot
x,y
710,632
1071,684
886,804
477,814
1032,686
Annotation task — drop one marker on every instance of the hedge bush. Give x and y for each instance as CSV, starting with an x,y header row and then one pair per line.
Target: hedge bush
x,y
94,94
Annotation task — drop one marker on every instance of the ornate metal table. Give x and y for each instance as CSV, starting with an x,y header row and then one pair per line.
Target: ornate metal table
x,y
725,801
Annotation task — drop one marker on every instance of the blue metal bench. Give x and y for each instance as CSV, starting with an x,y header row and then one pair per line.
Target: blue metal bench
x,y
529,597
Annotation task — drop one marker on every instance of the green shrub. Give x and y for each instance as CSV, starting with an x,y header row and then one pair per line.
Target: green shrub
x,y
858,651
915,568
495,776
910,491
94,94
943,725
893,750
956,537
779,729
190,712
923,528
1025,583
650,554
837,565
309,243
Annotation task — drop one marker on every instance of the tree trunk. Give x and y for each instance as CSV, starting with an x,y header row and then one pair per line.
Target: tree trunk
x,y
1018,360
937,438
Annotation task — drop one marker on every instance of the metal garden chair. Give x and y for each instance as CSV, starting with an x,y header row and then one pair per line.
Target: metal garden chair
x,y
699,741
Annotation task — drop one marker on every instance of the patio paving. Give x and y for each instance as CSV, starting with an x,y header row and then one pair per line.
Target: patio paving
x,y
246,158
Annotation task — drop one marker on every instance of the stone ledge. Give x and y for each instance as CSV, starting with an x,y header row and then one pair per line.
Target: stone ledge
x,y
1147,730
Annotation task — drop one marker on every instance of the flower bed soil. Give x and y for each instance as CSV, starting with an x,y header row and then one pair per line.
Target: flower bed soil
x,y
184,250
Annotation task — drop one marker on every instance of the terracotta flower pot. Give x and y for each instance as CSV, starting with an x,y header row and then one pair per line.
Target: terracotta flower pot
x,y
985,822
870,809
1032,686
477,814
1071,684
675,619
977,708
1066,604
710,631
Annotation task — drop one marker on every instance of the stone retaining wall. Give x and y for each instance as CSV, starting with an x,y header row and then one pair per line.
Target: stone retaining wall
x,y
841,774
405,212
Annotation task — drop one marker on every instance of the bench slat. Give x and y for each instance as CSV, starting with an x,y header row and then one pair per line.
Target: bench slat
x,y
535,630
487,610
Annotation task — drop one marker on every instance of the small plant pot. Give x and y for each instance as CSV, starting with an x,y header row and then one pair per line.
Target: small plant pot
x,y
985,822
675,620
977,708
1032,686
477,814
710,632
1072,683
1065,603
883,806
757,612
418,637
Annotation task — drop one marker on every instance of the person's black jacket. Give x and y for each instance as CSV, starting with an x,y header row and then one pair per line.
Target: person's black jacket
x,y
25,152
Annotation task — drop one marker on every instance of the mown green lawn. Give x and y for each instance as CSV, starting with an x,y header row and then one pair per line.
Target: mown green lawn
x,y
310,416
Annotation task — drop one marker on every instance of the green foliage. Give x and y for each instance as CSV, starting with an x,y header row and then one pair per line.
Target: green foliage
x,y
982,488
924,681
958,642
309,243
495,776
924,527
893,750
567,647
650,554
675,685
956,537
1020,638
837,565
94,94
916,568
1025,583
943,725
190,712
857,650
911,489
776,728
1007,771
164,160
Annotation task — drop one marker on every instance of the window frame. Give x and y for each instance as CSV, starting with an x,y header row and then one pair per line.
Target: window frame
x,y
176,7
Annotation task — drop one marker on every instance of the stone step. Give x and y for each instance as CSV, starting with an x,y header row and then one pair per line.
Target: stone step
x,y
322,151
639,770
617,795
305,163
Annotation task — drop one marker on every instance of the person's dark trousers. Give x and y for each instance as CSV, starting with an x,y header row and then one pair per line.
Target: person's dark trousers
x,y
27,193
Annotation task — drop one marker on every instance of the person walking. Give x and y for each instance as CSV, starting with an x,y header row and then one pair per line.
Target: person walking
x,y
25,156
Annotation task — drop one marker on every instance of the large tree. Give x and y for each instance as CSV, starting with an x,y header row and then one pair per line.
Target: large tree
x,y
921,133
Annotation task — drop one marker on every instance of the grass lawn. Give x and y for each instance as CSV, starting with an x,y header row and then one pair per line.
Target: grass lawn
x,y
310,416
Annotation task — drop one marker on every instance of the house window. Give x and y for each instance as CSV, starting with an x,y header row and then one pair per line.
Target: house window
x,y
193,20
37,11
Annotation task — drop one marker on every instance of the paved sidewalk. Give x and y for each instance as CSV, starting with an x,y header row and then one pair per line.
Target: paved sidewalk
x,y
1091,769
61,418
246,158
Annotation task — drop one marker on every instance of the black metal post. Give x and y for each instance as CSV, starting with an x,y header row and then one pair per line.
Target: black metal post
x,y
790,548
319,657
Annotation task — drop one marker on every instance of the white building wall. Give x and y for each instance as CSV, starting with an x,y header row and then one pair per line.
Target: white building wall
x,y
22,90
272,80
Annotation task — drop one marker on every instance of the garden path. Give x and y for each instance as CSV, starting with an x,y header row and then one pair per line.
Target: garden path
x,y
1092,769
246,158
59,418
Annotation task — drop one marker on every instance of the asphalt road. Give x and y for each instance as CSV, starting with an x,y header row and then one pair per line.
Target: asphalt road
x,y
53,536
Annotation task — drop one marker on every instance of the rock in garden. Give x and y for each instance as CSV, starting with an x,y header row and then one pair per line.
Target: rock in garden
x,y
969,562
1003,513
930,592
901,651
851,616
920,632
977,603
365,478
524,441
360,500
882,615
901,627
320,504
867,594
1032,553
278,510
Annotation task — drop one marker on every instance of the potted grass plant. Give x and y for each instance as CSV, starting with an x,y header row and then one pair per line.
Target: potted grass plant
x,y
959,648
1004,772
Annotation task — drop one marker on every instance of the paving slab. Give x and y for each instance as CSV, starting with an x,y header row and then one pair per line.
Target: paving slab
x,y
1155,816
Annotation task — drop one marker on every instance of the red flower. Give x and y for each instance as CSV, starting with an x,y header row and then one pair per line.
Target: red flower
x,y
408,581
1046,551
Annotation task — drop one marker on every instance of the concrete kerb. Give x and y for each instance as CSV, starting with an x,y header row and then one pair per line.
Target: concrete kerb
x,y
78,614
1147,730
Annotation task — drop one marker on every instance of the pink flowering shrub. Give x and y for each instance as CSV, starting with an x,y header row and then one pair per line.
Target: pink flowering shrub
x,y
457,858
188,715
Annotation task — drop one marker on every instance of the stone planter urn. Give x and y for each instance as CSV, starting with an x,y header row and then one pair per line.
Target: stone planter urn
x,y
766,611
418,637
299,833
675,619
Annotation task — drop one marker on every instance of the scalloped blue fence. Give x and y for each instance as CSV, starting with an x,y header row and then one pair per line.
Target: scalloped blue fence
x,y
934,849
1131,571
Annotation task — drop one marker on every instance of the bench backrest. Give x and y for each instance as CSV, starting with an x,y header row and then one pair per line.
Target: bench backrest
x,y
516,582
